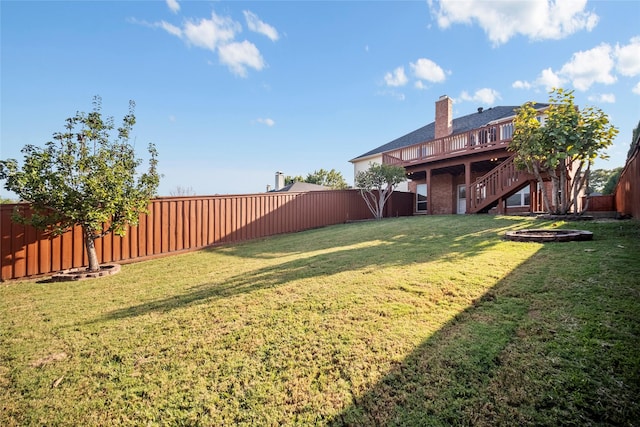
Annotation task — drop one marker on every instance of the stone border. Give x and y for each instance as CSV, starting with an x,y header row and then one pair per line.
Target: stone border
x,y
544,235
81,273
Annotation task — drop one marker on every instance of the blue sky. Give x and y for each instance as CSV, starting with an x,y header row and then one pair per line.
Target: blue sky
x,y
231,92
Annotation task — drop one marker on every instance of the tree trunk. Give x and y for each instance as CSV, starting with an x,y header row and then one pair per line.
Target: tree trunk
x,y
371,201
584,182
564,205
555,199
90,245
543,189
384,197
381,201
376,200
579,181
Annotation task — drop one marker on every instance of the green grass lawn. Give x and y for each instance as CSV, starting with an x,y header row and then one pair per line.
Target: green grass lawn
x,y
409,321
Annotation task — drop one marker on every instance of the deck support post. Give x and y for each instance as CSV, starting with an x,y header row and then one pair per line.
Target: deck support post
x,y
428,181
467,183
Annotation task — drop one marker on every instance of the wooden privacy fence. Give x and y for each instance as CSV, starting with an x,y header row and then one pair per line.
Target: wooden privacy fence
x,y
605,203
627,192
176,224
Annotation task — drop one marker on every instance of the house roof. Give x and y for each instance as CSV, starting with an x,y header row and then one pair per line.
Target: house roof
x,y
460,125
301,187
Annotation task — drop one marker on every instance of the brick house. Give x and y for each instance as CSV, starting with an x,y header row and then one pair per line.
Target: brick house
x,y
461,165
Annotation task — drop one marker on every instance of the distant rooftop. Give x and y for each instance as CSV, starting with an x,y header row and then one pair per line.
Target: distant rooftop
x,y
301,187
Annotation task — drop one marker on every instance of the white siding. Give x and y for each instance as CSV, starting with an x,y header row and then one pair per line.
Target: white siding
x,y
363,165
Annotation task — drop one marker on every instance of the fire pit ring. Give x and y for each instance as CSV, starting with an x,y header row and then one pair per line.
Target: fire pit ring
x,y
544,235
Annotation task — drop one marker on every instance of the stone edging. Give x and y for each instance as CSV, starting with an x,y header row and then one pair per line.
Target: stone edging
x,y
548,235
81,273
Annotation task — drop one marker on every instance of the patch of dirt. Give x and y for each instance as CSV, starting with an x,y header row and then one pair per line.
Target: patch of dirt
x,y
52,358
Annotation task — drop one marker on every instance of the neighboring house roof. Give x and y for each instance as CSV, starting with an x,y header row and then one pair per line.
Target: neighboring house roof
x,y
301,187
460,125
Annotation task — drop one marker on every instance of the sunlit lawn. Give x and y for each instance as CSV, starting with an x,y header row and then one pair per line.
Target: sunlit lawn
x,y
409,321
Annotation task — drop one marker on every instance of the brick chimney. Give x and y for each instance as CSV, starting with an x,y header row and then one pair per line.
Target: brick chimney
x,y
444,119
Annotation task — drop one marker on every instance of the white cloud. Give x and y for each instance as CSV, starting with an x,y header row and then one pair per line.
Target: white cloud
x,y
588,67
426,69
399,96
628,58
239,55
209,33
420,85
255,24
605,98
217,34
593,66
520,84
396,78
171,29
501,20
485,96
549,79
636,89
267,121
173,5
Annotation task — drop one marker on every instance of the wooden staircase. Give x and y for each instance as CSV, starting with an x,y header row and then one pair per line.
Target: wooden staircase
x,y
500,183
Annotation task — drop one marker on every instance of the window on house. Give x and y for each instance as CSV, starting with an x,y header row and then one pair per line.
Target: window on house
x,y
521,198
421,197
542,119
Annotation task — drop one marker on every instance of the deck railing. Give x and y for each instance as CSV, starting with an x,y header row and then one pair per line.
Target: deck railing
x,y
499,182
491,137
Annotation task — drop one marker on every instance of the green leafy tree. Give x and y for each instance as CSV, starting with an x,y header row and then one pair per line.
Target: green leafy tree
x,y
86,176
377,183
634,139
4,200
288,180
598,178
567,144
612,182
332,179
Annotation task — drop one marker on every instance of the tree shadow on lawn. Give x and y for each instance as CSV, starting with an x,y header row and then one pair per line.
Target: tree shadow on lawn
x,y
519,355
405,247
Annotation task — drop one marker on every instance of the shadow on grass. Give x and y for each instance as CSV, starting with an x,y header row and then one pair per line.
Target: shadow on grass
x,y
400,247
542,347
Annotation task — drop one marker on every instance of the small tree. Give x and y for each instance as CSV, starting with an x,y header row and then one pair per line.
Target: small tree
x,y
181,191
332,179
84,177
634,140
569,141
598,178
288,180
377,183
612,182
